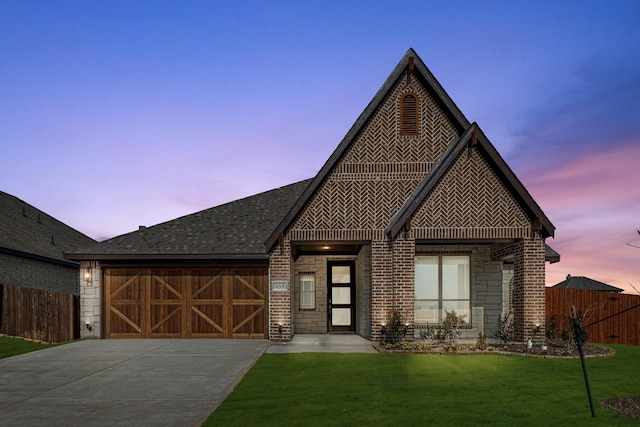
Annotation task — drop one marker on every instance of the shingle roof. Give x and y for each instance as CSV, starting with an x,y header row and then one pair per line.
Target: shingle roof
x,y
233,230
25,230
586,284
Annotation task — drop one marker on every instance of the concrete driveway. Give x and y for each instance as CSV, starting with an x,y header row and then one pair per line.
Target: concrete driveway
x,y
126,382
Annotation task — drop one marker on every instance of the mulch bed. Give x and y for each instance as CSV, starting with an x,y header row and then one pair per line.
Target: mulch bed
x,y
628,406
554,348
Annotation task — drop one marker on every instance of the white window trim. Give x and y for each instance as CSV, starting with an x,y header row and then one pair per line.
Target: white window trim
x,y
307,297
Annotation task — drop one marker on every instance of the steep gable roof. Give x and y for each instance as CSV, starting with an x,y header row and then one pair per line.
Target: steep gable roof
x,y
500,167
586,284
233,230
410,61
27,231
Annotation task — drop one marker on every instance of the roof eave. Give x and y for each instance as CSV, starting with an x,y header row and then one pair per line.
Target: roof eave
x,y
167,257
445,161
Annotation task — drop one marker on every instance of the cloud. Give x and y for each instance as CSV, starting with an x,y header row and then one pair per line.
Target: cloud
x,y
599,110
594,202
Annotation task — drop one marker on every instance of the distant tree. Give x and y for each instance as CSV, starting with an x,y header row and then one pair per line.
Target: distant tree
x,y
635,246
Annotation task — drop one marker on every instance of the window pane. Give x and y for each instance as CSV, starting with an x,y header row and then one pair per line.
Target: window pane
x,y
307,300
307,291
341,274
462,309
307,284
426,312
341,295
341,317
455,277
427,277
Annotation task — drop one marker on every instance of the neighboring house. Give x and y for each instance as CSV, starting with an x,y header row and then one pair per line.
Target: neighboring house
x,y
414,211
585,284
32,245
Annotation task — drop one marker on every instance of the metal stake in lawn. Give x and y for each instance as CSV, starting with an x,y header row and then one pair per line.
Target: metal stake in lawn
x,y
578,331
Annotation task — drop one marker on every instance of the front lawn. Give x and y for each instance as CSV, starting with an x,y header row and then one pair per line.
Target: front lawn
x,y
10,346
412,389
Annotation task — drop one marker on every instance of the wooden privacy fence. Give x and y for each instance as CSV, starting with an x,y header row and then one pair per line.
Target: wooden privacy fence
x,y
611,318
39,315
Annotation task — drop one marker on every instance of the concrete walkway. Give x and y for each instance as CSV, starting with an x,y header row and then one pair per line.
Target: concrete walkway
x,y
126,382
324,343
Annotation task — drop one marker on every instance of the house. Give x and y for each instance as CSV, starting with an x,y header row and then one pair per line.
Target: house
x,y
414,211
585,284
32,246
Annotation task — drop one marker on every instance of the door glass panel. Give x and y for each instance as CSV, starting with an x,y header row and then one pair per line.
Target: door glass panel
x,y
341,317
341,274
340,295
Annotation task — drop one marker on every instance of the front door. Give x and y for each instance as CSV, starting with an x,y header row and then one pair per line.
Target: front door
x,y
342,296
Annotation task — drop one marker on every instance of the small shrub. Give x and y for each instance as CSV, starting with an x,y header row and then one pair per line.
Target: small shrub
x,y
448,332
506,327
481,342
395,330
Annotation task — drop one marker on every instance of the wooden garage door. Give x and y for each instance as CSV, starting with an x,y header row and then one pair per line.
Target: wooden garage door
x,y
186,303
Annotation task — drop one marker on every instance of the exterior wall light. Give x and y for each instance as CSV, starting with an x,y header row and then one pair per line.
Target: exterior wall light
x,y
88,326
87,275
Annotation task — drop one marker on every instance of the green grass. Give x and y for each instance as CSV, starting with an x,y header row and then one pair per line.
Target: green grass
x,y
13,346
404,389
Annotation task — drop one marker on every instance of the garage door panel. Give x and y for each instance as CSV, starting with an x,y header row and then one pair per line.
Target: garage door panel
x,y
248,320
217,303
124,291
166,321
248,285
207,285
207,320
166,304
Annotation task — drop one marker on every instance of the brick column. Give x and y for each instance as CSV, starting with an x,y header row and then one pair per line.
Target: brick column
x,y
529,297
381,285
90,300
404,251
280,301
392,282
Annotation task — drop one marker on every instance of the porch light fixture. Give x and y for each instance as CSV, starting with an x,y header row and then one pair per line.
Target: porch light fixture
x,y
88,326
87,275
280,328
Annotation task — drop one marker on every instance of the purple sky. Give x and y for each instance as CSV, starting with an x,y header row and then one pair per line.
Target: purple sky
x,y
119,114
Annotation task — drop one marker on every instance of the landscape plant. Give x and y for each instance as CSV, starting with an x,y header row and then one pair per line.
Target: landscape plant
x,y
448,333
395,330
506,327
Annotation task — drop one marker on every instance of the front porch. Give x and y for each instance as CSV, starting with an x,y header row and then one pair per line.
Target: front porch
x,y
475,279
323,343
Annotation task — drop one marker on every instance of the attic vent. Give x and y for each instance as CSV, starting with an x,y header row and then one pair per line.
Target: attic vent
x,y
409,114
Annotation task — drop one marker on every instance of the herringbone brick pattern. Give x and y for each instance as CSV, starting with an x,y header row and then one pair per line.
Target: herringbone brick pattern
x,y
378,172
470,202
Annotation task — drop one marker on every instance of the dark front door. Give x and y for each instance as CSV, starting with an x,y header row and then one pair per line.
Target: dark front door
x,y
342,296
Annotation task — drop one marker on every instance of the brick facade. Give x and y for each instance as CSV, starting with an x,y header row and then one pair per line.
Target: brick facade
x,y
30,273
385,195
281,318
529,297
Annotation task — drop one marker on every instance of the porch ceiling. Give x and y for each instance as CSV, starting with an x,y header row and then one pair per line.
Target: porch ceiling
x,y
325,248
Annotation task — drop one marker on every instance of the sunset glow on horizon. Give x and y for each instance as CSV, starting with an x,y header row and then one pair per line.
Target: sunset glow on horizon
x,y
120,114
